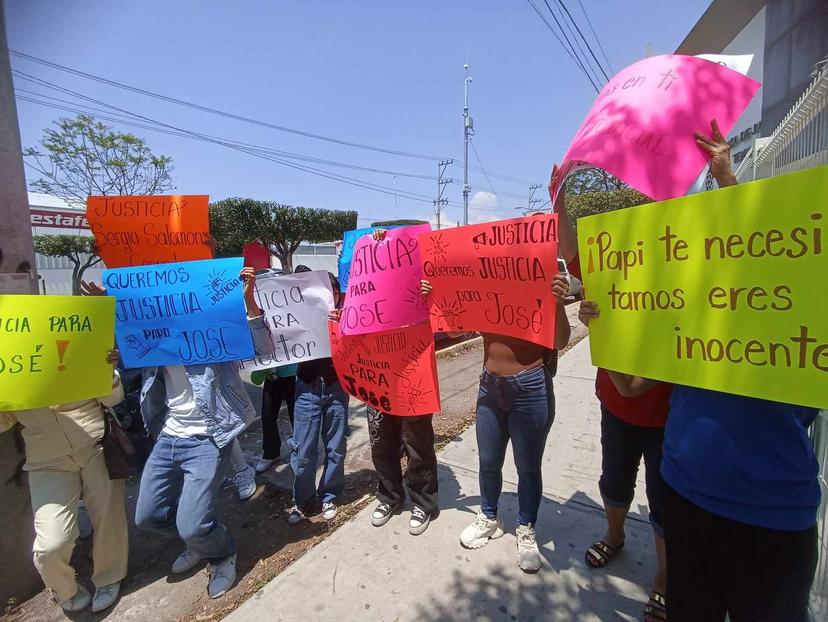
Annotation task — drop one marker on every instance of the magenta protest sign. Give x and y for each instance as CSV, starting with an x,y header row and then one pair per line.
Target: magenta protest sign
x,y
642,124
384,283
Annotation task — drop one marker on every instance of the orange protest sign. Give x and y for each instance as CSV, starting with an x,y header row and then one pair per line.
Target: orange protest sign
x,y
393,371
144,230
494,278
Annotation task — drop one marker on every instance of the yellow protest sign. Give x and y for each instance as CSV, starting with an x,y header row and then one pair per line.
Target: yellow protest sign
x,y
724,290
53,349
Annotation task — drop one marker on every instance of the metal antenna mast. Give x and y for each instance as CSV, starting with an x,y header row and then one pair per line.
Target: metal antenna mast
x,y
440,202
468,132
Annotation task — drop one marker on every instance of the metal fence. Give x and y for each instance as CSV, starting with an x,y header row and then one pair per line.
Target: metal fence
x,y
801,142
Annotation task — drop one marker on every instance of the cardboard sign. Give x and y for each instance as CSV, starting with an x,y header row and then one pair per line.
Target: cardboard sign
x,y
384,287
296,308
15,283
141,231
256,256
349,240
53,349
641,126
394,371
187,313
494,278
723,290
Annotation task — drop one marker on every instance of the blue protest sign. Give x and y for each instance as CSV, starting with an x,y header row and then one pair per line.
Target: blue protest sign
x,y
184,313
349,240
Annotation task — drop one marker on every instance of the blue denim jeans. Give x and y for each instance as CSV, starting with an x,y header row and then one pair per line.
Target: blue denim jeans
x,y
177,496
320,410
520,408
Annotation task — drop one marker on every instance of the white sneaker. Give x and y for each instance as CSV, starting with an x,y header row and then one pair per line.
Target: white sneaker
x,y
222,577
482,530
329,510
105,597
185,562
528,555
263,465
245,482
78,602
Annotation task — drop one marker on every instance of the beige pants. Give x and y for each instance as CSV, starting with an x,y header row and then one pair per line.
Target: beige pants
x,y
56,489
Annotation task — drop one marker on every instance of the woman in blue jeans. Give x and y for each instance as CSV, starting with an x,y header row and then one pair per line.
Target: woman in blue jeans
x,y
321,408
516,402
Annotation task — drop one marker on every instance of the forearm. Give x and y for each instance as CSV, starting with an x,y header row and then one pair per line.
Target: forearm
x,y
567,239
630,386
562,329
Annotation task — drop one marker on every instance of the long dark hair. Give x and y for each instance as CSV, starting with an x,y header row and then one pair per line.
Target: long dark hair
x,y
339,297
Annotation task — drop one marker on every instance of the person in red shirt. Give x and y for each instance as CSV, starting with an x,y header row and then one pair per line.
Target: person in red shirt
x,y
632,426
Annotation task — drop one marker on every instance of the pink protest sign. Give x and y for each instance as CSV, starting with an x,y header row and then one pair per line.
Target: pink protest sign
x,y
384,283
641,126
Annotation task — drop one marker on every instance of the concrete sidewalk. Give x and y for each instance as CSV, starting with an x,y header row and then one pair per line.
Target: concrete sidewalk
x,y
365,573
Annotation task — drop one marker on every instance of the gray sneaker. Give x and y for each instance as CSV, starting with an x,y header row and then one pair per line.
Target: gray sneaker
x,y
222,576
528,555
78,602
482,530
105,597
245,483
185,562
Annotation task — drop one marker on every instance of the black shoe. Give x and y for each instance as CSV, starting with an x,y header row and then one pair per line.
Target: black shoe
x,y
382,513
419,521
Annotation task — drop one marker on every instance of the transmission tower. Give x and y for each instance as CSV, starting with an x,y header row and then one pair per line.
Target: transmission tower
x,y
530,205
468,132
440,202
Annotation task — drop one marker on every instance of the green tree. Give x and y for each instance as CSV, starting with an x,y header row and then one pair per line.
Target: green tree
x,y
393,223
78,249
593,180
589,203
82,157
280,228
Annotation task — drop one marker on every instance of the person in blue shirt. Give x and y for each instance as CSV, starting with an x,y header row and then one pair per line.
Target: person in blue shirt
x,y
740,496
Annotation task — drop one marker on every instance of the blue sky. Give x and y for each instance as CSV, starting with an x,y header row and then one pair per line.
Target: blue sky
x,y
387,74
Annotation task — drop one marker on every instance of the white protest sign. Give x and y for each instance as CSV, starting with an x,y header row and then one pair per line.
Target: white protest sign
x,y
296,309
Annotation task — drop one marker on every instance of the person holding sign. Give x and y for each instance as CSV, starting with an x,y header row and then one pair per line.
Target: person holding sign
x,y
632,427
415,434
196,412
65,461
515,402
741,496
321,409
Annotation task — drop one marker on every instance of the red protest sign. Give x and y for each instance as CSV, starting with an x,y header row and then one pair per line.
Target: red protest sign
x,y
144,230
494,278
394,371
256,256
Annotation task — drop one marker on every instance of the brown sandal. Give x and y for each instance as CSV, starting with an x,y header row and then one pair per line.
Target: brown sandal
x,y
656,609
600,554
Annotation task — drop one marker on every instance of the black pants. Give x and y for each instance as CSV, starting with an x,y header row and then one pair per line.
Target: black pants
x,y
274,392
391,438
716,566
622,445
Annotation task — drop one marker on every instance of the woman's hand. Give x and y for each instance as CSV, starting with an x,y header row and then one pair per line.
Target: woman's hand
x,y
379,234
248,275
560,286
334,315
92,289
425,287
113,356
719,151
588,311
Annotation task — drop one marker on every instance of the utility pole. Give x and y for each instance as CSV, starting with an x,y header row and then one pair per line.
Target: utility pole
x,y
530,205
440,202
468,132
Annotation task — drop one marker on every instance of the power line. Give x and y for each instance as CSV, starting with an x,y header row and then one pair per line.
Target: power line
x,y
242,118
480,162
574,38
327,174
571,53
588,46
594,34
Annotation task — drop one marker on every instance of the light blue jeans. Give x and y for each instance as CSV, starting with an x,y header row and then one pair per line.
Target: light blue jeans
x,y
178,491
320,409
